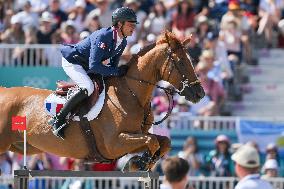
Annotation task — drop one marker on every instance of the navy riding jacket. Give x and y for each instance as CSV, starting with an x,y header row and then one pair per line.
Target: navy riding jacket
x,y
94,49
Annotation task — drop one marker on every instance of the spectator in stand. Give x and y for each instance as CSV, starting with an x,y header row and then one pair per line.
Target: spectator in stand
x,y
160,104
39,6
67,5
175,170
39,162
78,15
236,14
15,33
207,106
93,22
183,18
250,6
219,160
28,56
5,165
52,54
194,47
191,155
2,16
103,6
202,28
6,20
247,165
28,18
157,20
212,81
270,169
45,29
269,13
59,15
255,145
89,6
272,152
201,7
182,105
16,160
280,36
217,9
69,33
218,47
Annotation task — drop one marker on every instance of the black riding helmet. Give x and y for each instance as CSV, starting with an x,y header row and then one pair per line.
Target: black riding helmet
x,y
123,14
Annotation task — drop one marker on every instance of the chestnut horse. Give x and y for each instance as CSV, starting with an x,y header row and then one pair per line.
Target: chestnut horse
x,y
117,129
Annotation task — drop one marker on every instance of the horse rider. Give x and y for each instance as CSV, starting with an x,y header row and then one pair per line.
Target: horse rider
x,y
87,57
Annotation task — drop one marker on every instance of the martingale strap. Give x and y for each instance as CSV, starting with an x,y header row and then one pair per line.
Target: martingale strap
x,y
94,154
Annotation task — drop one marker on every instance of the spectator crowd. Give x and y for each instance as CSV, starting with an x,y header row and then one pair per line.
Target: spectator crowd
x,y
226,35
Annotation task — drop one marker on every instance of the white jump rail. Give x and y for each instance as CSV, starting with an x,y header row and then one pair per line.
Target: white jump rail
x,y
150,180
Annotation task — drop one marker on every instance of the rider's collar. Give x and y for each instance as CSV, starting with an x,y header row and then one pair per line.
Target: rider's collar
x,y
115,34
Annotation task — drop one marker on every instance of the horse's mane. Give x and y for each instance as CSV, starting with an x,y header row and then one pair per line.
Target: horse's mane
x,y
165,37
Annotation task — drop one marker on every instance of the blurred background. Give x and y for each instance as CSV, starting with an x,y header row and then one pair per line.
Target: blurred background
x,y
236,48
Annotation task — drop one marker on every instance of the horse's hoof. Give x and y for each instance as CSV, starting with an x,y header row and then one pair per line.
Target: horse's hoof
x,y
133,165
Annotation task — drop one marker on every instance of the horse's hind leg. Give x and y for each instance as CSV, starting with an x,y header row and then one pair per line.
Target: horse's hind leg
x,y
18,148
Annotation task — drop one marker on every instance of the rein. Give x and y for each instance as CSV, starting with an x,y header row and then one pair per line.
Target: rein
x,y
169,92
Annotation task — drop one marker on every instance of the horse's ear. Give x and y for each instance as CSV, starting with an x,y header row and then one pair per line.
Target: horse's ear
x,y
187,40
167,34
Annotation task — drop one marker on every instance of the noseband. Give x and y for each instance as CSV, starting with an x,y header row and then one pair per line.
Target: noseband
x,y
170,92
172,63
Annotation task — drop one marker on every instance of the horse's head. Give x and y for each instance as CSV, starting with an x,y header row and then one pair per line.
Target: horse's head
x,y
177,68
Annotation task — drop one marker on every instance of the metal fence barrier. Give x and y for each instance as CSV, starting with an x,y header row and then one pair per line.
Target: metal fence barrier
x,y
30,55
126,182
94,179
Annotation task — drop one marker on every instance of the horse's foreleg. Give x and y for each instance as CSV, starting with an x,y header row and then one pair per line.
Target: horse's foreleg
x,y
18,148
129,142
165,144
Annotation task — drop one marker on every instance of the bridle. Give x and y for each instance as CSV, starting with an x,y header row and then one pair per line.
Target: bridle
x,y
170,92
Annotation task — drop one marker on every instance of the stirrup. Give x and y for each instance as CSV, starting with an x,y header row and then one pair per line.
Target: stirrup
x,y
56,131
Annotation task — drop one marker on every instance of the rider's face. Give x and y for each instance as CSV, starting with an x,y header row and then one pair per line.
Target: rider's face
x,y
129,28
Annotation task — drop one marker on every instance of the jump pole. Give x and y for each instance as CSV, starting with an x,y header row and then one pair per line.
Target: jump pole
x,y
150,180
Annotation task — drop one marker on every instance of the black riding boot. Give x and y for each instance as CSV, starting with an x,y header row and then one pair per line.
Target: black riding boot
x,y
59,121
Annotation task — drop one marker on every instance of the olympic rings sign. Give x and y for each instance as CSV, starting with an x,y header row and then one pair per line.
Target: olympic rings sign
x,y
35,81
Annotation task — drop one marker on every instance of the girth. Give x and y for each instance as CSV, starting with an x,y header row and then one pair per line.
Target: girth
x,y
94,154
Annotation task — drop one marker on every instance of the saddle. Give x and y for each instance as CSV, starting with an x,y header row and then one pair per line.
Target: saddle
x,y
63,87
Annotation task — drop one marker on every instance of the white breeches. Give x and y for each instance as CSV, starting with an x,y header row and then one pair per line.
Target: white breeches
x,y
78,75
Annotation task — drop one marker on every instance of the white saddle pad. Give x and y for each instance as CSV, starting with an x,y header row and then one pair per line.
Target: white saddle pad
x,y
53,104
